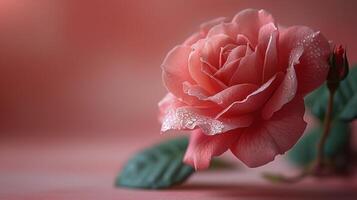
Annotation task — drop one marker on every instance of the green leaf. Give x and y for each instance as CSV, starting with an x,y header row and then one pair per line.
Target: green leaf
x,y
157,167
304,152
345,101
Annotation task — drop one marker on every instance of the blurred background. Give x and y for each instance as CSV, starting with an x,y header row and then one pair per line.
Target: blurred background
x,y
74,67
80,82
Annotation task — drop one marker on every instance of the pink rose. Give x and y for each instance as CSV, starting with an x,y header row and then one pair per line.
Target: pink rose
x,y
240,86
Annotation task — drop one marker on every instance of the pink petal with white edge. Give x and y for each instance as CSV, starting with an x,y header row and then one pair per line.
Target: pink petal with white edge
x,y
271,64
223,98
203,147
199,93
232,94
195,90
265,33
259,144
253,101
286,90
313,67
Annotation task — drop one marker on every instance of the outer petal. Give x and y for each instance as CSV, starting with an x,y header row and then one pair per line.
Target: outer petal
x,y
175,72
313,67
259,144
204,28
250,21
188,118
193,39
166,103
229,29
203,147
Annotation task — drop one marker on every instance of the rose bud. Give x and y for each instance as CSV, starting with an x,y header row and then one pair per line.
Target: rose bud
x,y
338,66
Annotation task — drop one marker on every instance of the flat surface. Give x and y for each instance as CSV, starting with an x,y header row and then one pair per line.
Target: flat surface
x,y
85,168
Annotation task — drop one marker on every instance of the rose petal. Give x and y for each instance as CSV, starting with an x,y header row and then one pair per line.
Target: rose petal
x,y
224,53
271,64
286,90
210,51
175,72
236,53
259,144
203,147
207,66
223,98
249,22
225,73
230,66
166,103
265,33
207,26
188,118
242,40
232,94
313,67
228,29
195,90
202,77
204,28
199,93
250,69
193,39
253,101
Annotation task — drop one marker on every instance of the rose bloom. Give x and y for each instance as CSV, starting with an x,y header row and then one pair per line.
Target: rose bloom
x,y
240,84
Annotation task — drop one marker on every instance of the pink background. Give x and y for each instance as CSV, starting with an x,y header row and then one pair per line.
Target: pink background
x,y
79,86
93,67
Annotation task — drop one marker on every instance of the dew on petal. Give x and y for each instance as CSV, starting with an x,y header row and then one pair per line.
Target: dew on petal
x,y
183,119
314,51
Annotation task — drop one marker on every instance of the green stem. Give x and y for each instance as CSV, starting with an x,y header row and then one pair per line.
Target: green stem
x,y
320,162
320,159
